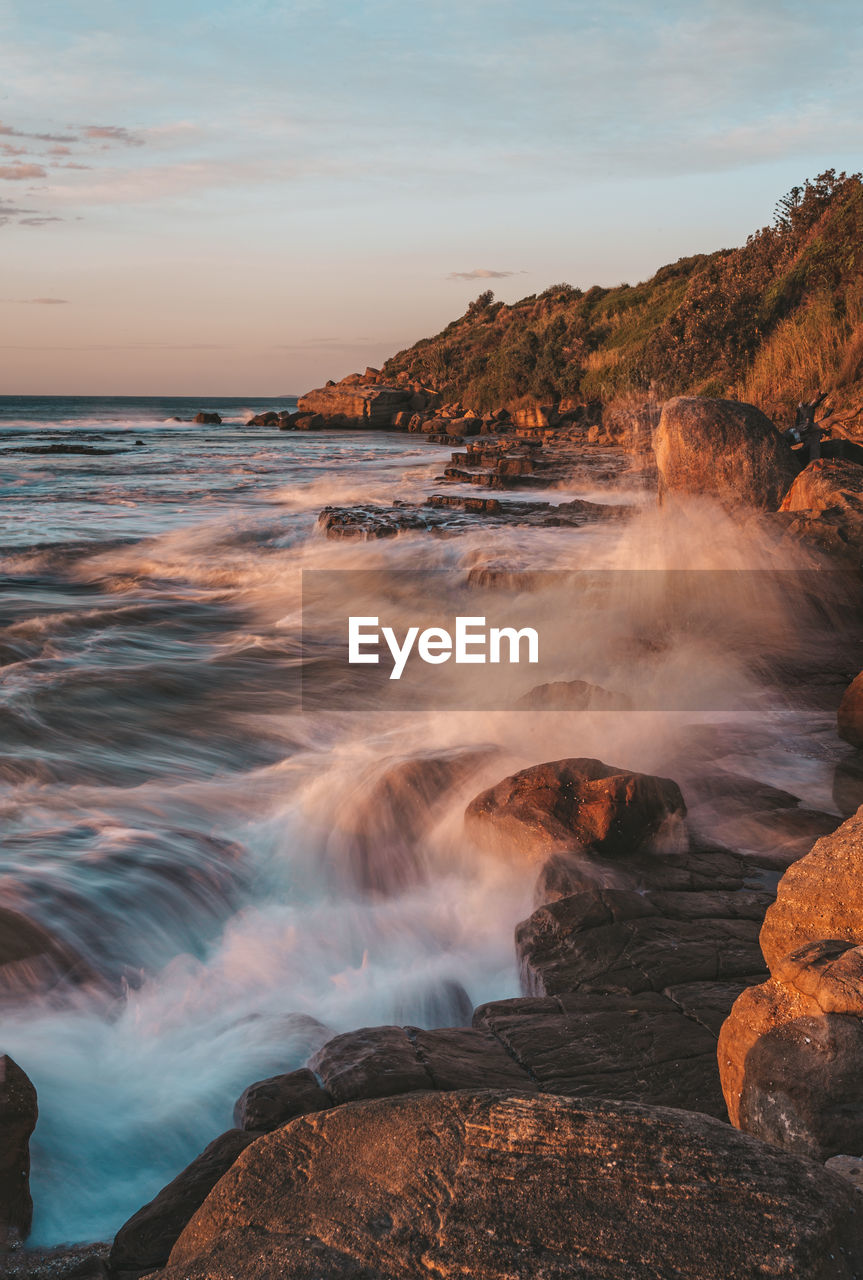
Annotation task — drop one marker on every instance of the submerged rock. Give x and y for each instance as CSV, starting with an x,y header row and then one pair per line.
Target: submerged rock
x,y
210,419
18,1115
576,804
495,1185
723,448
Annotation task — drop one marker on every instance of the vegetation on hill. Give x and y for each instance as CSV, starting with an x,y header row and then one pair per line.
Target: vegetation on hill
x,y
769,322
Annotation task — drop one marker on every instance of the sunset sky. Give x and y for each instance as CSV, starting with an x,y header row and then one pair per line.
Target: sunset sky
x,y
247,198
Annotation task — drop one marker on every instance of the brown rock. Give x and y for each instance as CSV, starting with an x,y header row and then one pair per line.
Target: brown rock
x,y
31,961
265,1105
495,1185
268,419
576,804
819,897
210,419
850,718
352,404
18,1114
145,1241
828,486
791,1074
373,1062
616,940
729,450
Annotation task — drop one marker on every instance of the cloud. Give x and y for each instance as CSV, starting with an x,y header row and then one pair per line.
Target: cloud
x,y
7,149
482,273
20,172
38,220
8,132
113,133
45,302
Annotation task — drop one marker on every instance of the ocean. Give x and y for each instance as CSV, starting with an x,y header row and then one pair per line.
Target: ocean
x,y
171,817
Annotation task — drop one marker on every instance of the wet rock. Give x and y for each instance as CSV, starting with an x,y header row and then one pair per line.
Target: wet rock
x,y
850,717
378,828
268,419
574,695
511,1185
265,1105
848,787
18,1115
819,897
577,804
32,962
373,1062
210,419
722,448
617,940
69,1262
144,1242
638,1048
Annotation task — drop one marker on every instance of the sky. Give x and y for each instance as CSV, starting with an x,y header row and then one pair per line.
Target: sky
x,y
248,198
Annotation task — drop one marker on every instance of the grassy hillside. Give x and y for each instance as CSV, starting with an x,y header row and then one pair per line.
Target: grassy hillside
x,y
769,322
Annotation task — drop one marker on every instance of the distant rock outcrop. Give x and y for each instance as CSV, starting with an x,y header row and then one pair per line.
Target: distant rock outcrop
x,y
722,448
209,419
355,404
495,1185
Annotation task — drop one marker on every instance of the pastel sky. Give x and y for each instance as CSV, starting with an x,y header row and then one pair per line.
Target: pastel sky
x,y
248,197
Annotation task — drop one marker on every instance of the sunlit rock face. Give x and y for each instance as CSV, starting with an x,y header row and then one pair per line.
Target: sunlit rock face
x,y
507,1184
723,448
791,1051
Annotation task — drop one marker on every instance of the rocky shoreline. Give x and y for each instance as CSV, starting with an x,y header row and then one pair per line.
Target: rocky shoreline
x,y
657,943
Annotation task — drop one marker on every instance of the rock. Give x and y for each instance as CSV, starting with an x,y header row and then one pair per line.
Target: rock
x,y
617,940
497,1185
848,787
373,1062
210,419
850,1167
577,804
824,506
379,826
310,422
791,1050
729,450
850,717
573,695
791,1074
145,1241
265,1105
32,962
268,419
18,1114
351,404
819,897
68,1262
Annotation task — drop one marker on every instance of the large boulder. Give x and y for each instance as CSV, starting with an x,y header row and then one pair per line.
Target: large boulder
x,y
18,1115
495,1185
791,1050
577,804
819,897
723,448
145,1241
267,1104
850,718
